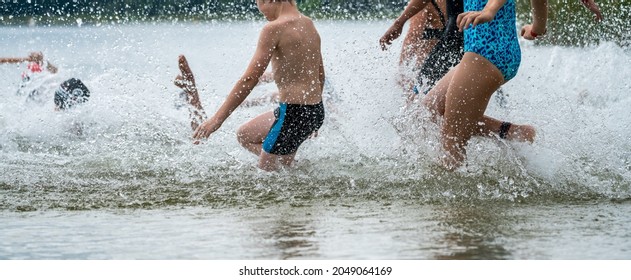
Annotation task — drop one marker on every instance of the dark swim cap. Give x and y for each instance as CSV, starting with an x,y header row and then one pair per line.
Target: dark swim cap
x,y
70,93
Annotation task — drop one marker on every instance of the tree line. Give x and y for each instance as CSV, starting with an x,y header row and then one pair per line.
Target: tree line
x,y
570,24
153,8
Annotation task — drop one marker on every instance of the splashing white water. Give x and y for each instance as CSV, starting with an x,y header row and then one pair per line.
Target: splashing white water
x,y
578,98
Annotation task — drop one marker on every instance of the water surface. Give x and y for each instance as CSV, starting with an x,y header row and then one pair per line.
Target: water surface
x,y
132,186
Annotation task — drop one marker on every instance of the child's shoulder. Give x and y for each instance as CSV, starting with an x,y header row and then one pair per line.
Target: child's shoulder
x,y
289,22
276,28
272,26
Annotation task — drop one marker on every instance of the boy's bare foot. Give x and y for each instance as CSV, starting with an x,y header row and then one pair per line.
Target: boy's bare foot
x,y
186,81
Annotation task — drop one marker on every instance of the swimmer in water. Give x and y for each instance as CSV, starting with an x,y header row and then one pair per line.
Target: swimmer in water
x,y
68,94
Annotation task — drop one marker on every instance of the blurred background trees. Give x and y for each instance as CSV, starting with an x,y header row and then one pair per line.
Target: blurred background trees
x,y
151,8
570,23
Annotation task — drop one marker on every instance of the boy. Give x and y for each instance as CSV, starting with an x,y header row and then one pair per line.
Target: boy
x,y
291,42
35,82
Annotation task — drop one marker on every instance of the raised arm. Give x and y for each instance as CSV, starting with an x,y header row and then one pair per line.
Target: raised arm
x,y
474,18
268,41
539,20
414,7
36,57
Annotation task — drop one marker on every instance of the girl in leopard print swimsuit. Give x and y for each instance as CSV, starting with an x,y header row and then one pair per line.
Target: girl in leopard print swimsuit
x,y
492,57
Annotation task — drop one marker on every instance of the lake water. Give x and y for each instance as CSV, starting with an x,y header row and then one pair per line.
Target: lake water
x,y
132,186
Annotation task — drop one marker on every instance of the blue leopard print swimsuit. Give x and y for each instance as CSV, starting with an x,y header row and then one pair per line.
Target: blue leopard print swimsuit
x,y
495,40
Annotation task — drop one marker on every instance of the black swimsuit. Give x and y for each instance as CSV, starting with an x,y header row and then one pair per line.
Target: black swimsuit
x,y
447,52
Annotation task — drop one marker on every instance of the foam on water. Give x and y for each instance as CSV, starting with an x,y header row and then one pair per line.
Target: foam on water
x,y
134,149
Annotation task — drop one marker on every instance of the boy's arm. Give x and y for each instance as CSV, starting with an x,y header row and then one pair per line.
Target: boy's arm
x,y
539,20
37,57
267,44
414,7
473,18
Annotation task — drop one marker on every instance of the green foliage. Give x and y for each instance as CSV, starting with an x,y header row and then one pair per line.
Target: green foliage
x,y
142,9
310,6
569,23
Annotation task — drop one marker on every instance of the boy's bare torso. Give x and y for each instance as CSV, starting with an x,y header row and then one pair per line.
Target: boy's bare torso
x,y
297,61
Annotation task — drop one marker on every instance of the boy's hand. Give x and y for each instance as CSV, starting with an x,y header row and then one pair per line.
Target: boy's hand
x,y
474,18
205,130
528,32
392,34
591,5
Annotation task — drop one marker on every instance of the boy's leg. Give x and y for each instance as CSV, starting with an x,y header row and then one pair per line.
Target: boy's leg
x,y
251,134
186,81
287,160
270,162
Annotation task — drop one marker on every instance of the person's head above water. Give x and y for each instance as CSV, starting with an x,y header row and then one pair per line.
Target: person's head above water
x,y
271,9
71,93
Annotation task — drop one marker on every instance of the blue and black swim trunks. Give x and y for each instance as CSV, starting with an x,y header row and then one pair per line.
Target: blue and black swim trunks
x,y
294,124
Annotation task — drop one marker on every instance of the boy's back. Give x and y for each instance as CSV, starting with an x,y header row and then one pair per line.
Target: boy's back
x,y
297,60
291,43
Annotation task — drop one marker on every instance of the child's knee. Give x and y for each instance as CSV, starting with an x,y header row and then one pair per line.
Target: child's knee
x,y
242,134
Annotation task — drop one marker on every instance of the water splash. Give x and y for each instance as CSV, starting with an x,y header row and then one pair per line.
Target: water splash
x,y
135,151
